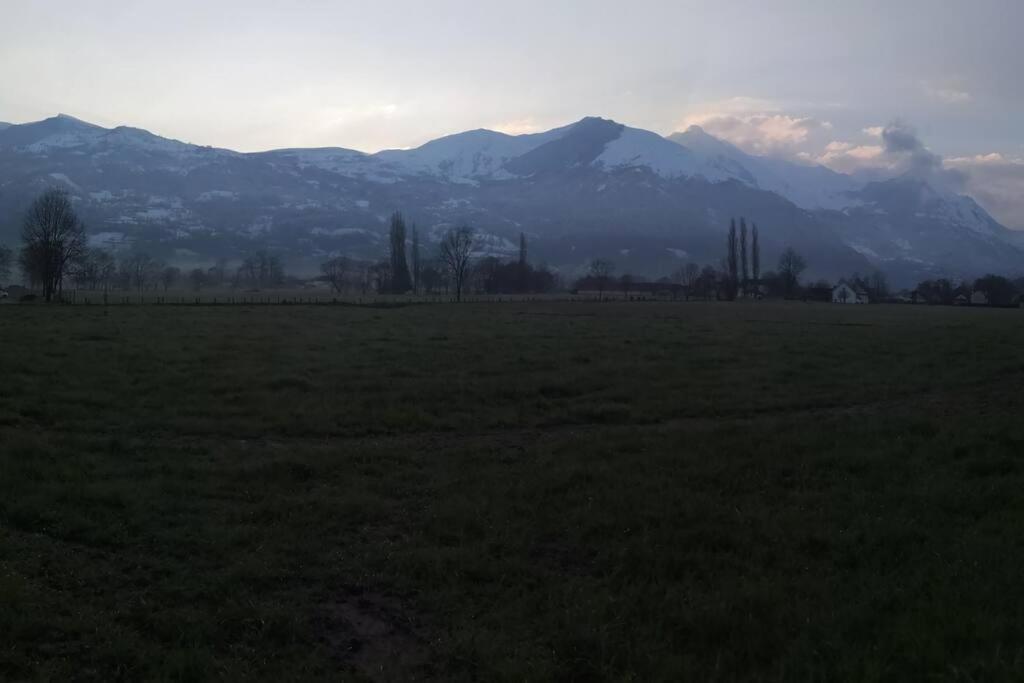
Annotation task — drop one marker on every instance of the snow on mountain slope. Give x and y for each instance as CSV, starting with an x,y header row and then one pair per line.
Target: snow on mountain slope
x,y
59,132
345,162
565,182
465,156
641,148
810,187
909,199
136,139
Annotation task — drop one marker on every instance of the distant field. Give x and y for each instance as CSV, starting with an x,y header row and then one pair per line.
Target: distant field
x,y
645,491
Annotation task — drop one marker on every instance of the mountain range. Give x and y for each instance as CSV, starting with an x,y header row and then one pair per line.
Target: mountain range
x,y
595,188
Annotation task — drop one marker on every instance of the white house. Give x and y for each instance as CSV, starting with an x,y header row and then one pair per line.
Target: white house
x,y
979,299
845,293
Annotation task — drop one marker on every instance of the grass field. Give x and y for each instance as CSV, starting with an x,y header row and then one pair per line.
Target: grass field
x,y
647,491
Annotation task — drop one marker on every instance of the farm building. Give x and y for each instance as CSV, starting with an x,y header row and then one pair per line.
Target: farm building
x,y
979,299
845,293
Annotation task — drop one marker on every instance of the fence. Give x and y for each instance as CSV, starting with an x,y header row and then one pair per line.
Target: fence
x,y
91,298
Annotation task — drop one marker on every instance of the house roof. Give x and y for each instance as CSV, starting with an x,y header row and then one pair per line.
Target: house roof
x,y
859,291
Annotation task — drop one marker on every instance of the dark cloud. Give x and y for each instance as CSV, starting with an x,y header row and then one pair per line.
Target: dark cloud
x,y
901,139
901,142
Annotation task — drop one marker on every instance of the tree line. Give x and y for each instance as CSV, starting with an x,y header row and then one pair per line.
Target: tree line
x,y
55,251
453,269
997,290
738,275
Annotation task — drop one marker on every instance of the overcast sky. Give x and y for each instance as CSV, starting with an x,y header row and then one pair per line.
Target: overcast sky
x,y
803,79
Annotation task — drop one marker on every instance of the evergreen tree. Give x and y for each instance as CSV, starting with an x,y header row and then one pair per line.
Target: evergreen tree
x,y
743,256
755,257
523,266
417,265
731,264
400,281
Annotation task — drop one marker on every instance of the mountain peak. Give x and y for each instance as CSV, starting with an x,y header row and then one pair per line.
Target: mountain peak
x,y
596,123
67,119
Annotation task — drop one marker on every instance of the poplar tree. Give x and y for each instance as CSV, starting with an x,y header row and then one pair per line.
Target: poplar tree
x,y
417,265
400,281
743,256
755,257
731,258
522,263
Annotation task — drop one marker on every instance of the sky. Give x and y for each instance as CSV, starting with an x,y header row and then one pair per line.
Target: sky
x,y
801,79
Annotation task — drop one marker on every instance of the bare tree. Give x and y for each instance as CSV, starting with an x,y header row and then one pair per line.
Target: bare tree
x,y
6,259
169,276
106,268
142,270
791,266
707,283
197,277
688,276
601,270
54,237
84,270
456,249
336,272
379,275
626,283
217,273
262,269
94,269
433,278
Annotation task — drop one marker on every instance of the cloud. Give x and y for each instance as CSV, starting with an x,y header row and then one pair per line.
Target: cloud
x,y
847,157
763,133
517,126
756,125
950,92
952,96
910,155
901,139
995,180
986,159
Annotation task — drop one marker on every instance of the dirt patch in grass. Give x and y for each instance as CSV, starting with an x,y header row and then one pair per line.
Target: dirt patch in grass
x,y
374,635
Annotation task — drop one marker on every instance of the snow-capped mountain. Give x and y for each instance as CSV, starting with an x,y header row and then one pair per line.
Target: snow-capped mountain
x,y
595,187
810,187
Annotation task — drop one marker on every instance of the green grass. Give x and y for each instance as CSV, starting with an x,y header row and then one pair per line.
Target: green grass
x,y
646,491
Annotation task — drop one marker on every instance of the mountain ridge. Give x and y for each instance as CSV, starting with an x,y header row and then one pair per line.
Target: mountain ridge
x,y
140,189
